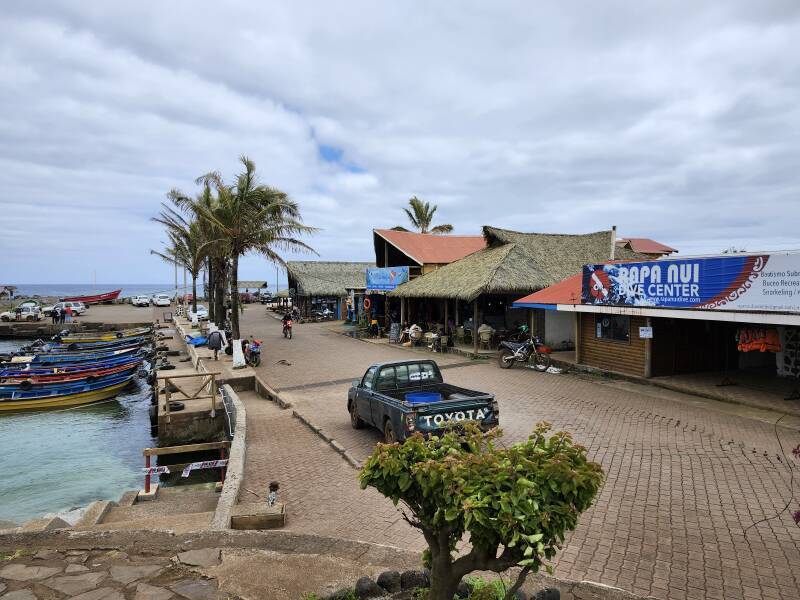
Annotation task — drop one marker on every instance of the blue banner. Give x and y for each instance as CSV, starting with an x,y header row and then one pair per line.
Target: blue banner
x,y
745,282
387,278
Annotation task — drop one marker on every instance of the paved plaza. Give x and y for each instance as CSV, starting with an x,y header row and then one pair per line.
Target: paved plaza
x,y
692,490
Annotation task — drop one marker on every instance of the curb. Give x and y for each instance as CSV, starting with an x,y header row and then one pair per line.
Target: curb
x,y
266,391
331,442
234,474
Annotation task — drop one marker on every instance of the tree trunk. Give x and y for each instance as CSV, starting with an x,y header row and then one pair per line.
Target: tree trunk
x,y
194,292
219,291
211,293
235,297
443,581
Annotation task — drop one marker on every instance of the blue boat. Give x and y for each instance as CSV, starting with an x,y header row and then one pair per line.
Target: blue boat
x,y
27,369
62,383
71,395
68,358
89,346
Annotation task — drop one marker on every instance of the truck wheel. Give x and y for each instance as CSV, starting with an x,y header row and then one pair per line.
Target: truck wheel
x,y
505,359
355,420
388,433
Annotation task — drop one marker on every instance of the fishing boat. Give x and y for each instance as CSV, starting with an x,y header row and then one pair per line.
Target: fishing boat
x,y
24,370
87,346
68,357
57,374
103,336
64,395
94,298
63,379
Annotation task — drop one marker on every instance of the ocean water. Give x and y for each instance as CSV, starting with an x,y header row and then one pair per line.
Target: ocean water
x,y
61,290
56,460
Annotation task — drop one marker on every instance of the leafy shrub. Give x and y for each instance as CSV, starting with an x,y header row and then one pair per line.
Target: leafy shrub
x,y
515,503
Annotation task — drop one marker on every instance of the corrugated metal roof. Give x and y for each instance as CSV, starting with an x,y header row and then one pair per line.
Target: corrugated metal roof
x,y
429,248
567,291
645,246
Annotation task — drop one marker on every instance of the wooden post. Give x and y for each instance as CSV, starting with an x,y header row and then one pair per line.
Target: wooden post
x,y
578,342
475,326
446,302
147,476
167,383
213,396
456,319
402,312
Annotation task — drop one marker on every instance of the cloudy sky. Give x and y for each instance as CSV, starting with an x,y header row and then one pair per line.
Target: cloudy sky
x,y
678,121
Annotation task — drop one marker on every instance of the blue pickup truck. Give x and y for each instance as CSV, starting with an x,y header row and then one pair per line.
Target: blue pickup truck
x,y
401,398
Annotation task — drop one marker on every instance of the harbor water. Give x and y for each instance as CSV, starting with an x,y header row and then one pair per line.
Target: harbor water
x,y
54,461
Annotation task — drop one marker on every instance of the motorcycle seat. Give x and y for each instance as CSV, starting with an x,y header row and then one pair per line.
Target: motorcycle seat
x,y
513,345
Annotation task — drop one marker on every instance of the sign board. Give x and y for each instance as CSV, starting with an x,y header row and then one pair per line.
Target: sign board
x,y
386,278
767,282
646,333
394,333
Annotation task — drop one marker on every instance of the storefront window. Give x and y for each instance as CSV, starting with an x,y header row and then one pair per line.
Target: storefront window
x,y
613,327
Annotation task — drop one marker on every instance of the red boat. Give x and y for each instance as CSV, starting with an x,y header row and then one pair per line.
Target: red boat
x,y
27,381
96,299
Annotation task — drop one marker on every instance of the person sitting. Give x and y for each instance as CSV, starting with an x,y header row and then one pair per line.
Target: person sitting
x,y
415,333
485,327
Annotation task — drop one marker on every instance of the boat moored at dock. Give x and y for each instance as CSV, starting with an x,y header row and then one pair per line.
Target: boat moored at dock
x,y
65,395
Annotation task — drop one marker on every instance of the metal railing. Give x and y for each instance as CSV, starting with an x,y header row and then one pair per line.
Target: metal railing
x,y
230,410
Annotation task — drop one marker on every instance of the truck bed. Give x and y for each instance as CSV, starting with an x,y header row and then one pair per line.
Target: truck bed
x,y
448,392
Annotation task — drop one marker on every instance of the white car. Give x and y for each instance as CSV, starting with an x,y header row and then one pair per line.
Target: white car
x,y
22,313
162,300
78,308
140,300
202,313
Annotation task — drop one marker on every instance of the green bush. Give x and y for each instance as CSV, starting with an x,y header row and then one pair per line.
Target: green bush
x,y
515,503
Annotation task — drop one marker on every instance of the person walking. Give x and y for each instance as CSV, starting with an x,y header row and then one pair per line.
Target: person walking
x,y
56,314
215,342
62,315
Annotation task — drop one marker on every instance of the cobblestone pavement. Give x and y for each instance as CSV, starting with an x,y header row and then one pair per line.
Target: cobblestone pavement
x,y
106,575
320,490
685,479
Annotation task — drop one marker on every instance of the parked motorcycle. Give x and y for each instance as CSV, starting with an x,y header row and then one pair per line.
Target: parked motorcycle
x,y
532,350
287,329
254,353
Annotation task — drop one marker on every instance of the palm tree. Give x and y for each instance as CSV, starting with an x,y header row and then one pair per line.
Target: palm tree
x,y
187,244
421,216
250,217
213,248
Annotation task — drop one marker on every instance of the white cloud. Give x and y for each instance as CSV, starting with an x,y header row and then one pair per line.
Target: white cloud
x,y
551,117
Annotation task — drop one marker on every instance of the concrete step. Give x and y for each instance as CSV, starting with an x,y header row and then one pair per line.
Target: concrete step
x,y
177,523
128,498
44,524
95,513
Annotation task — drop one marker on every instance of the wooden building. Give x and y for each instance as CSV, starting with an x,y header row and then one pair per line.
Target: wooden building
x,y
319,284
482,286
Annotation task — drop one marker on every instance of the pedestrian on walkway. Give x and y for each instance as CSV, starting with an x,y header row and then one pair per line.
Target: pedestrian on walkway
x,y
215,342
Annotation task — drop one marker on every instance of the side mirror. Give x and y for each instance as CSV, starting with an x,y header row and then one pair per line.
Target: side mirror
x,y
356,382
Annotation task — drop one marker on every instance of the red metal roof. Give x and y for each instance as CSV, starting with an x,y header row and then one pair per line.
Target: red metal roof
x,y
645,246
427,248
567,291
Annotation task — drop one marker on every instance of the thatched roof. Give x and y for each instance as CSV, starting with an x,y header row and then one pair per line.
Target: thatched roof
x,y
514,262
320,278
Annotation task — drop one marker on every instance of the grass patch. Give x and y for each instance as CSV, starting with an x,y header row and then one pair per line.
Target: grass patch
x,y
15,554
